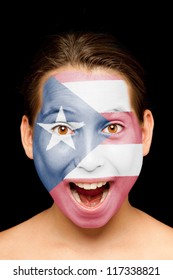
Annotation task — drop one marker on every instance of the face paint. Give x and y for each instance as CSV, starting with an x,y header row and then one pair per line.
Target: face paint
x,y
87,145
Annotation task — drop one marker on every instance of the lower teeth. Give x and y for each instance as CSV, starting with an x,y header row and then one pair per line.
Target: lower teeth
x,y
104,195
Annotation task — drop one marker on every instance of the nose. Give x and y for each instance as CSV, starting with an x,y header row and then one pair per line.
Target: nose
x,y
90,147
92,161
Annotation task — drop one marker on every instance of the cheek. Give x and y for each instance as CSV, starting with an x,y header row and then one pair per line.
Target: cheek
x,y
51,165
126,159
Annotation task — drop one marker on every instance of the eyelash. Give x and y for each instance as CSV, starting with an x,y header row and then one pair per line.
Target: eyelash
x,y
112,126
64,130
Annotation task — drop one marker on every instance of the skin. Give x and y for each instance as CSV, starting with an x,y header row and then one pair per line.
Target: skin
x,y
86,217
129,233
101,146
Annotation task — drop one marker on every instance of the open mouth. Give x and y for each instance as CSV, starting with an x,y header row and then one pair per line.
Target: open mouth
x,y
90,195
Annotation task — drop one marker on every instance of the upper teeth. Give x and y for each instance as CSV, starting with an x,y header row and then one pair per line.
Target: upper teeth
x,y
92,186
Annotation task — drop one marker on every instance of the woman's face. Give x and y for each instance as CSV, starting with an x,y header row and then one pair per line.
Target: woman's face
x,y
87,144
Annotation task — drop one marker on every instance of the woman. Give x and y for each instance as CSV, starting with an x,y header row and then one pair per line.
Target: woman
x,y
87,127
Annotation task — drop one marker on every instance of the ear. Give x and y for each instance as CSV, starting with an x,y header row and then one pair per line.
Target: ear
x,y
27,136
147,131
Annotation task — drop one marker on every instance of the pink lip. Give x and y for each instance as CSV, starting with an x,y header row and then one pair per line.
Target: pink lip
x,y
93,217
90,181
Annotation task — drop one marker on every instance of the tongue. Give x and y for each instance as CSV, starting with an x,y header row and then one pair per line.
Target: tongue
x,y
89,200
90,197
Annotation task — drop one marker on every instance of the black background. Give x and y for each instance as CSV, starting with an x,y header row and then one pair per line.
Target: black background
x,y
147,32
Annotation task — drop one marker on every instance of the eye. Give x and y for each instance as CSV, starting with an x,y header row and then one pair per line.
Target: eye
x,y
113,128
62,130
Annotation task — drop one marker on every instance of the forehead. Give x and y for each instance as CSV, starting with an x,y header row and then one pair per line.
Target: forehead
x,y
104,90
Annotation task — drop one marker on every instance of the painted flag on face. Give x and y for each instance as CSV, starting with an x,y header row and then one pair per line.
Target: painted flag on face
x,y
73,137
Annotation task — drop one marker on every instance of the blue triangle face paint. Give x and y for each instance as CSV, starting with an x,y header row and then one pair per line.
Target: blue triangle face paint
x,y
72,148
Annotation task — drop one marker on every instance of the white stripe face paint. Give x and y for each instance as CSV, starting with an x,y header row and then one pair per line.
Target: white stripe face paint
x,y
114,160
87,145
95,93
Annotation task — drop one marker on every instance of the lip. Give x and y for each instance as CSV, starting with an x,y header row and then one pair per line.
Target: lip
x,y
96,215
89,181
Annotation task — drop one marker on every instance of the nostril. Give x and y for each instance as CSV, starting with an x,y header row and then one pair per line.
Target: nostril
x,y
90,165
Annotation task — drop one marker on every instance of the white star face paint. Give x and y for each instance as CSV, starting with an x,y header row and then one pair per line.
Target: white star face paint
x,y
87,145
61,136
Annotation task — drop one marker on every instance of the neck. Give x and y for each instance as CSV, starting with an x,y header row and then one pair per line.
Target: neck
x,y
73,242
65,227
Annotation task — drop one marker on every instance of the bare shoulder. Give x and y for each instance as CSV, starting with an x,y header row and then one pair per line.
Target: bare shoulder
x,y
143,237
157,227
21,238
157,237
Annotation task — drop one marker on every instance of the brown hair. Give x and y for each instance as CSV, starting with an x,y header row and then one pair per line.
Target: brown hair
x,y
89,50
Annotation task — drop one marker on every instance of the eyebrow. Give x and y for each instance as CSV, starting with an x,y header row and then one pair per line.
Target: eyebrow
x,y
54,109
118,109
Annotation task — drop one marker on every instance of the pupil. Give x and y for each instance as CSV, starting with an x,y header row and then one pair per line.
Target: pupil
x,y
112,128
62,130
